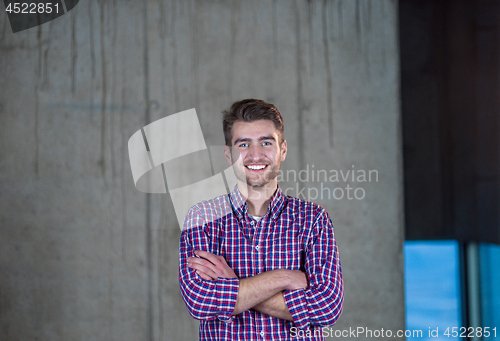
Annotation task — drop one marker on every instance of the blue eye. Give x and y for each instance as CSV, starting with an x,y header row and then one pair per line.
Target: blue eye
x,y
266,143
244,145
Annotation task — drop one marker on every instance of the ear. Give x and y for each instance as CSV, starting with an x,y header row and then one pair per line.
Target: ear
x,y
283,151
227,155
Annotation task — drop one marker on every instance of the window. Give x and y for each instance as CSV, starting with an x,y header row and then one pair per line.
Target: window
x,y
432,287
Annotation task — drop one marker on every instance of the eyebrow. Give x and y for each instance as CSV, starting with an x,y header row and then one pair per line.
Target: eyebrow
x,y
262,138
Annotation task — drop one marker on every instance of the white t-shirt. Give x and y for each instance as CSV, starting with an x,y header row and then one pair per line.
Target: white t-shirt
x,y
255,217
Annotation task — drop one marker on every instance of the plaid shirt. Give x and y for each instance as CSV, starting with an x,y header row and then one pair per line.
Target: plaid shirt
x,y
294,234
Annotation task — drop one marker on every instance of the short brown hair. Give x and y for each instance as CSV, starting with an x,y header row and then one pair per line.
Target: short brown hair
x,y
249,110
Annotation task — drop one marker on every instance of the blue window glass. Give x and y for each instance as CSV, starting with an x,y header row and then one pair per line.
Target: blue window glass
x,y
489,267
432,288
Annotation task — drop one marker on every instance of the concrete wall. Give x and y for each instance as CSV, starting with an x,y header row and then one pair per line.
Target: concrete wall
x,y
83,254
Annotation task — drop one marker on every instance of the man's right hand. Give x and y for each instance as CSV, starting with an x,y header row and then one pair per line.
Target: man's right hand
x,y
210,266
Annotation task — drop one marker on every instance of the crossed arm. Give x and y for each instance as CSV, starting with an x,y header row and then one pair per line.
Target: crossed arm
x,y
262,292
211,290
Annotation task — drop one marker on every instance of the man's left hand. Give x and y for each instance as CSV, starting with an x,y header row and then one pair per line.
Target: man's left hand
x,y
210,267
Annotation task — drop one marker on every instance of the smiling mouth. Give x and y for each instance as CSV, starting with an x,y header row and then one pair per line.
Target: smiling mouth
x,y
256,167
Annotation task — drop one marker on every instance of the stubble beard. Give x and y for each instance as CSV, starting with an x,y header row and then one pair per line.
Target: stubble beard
x,y
260,180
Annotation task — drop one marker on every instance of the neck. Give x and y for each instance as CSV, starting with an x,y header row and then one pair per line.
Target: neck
x,y
257,197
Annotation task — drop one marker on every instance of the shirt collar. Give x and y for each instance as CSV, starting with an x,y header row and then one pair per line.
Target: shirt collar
x,y
240,207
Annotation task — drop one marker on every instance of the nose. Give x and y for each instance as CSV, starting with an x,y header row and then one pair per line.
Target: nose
x,y
255,152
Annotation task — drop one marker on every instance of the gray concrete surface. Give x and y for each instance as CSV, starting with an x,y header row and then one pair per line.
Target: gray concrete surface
x,y
83,254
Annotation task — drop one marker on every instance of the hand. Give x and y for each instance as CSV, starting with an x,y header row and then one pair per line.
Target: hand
x,y
297,280
211,267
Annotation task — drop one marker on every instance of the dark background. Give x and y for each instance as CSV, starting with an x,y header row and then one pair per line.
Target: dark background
x,y
450,105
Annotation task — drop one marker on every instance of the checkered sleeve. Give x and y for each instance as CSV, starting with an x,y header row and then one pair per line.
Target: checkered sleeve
x,y
321,303
205,300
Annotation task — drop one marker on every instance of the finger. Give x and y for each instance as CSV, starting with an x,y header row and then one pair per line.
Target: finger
x,y
203,262
208,256
204,276
205,271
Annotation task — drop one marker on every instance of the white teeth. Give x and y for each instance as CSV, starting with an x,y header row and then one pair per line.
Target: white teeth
x,y
256,167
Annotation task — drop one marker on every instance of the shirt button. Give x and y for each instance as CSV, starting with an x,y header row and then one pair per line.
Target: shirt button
x,y
257,248
252,222
262,334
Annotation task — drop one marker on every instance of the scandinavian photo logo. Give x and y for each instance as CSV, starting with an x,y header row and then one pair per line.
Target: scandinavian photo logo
x,y
171,155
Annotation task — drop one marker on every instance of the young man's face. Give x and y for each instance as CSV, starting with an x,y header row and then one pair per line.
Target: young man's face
x,y
256,152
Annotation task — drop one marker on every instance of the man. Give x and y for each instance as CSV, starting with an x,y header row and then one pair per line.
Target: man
x,y
256,264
